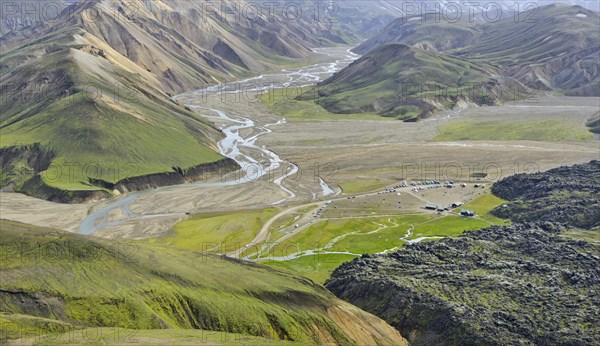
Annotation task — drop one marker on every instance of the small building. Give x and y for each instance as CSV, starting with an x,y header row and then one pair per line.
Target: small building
x,y
431,206
467,212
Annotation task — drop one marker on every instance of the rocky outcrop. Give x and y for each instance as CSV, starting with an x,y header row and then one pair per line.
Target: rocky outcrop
x,y
567,195
36,187
178,176
515,285
594,123
18,162
223,50
20,171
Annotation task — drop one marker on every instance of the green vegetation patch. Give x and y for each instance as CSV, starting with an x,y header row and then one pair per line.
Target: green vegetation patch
x,y
448,226
482,207
314,252
284,102
481,129
218,232
285,222
320,234
315,267
106,144
589,235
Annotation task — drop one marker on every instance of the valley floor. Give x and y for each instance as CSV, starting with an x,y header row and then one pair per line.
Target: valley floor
x,y
325,160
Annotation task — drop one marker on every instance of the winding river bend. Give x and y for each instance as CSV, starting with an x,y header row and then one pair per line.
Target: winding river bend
x,y
243,150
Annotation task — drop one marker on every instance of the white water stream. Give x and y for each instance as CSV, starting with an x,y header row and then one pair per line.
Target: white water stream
x,y
242,150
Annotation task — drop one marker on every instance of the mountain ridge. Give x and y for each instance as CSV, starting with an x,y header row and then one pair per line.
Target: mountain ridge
x,y
94,82
407,83
562,57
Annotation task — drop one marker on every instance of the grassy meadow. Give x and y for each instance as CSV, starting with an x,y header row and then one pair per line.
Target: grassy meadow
x,y
217,232
316,250
284,102
539,130
320,248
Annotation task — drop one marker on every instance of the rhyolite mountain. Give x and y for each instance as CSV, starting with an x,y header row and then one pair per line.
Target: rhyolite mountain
x,y
552,48
556,49
408,83
427,34
449,24
87,91
187,44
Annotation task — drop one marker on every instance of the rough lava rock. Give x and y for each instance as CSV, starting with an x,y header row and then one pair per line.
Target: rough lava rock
x,y
569,195
523,284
